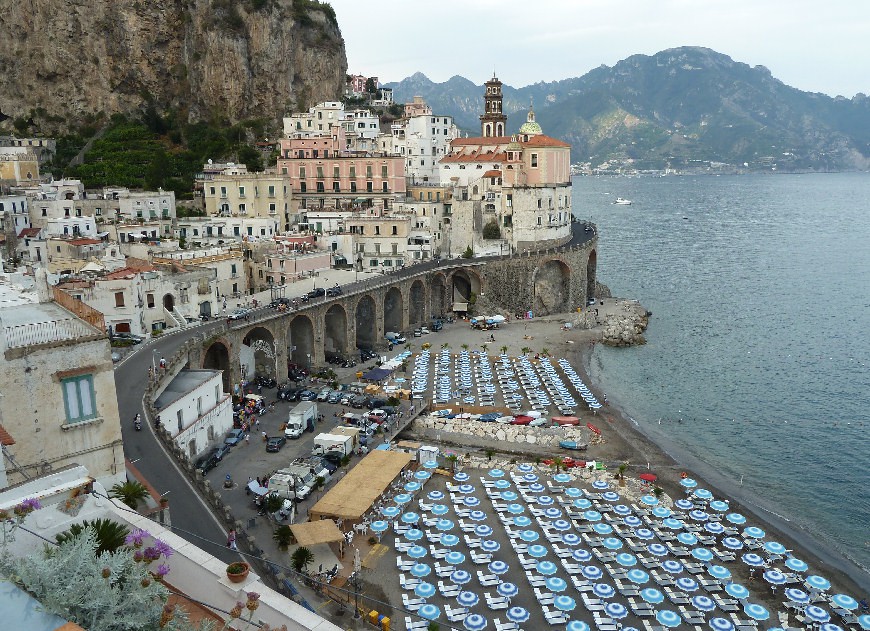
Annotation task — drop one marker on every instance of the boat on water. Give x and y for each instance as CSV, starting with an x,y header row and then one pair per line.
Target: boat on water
x,y
622,202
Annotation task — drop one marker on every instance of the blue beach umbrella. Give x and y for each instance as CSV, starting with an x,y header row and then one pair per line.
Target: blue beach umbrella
x,y
703,603
687,539
502,484
703,494
672,524
602,529
410,518
444,525
774,577
529,536
702,554
592,515
637,576
460,577
425,590
471,501
754,531
454,557
818,582
483,531
545,500
600,485
467,599
537,551
488,545
736,590
498,567
435,496
844,601
516,509
552,513
688,483
610,496
517,614
796,565
509,496
429,611
721,624
419,570
714,527
591,572
411,487
699,515
430,464
797,595
525,468
573,492
736,518
537,488
474,622
626,560
556,584
402,498
612,543
684,504
650,500
570,539
732,543
668,618
477,515
582,503
753,560
632,521
391,512
686,584
414,534
719,506
461,477
439,509
661,512
617,611
671,566
522,521
864,621
719,572
603,590
581,555
577,625
507,590
657,549
561,525
530,477
756,611
417,552
774,547
496,473
449,540
562,478
652,595
564,603
829,626
816,614
621,509
546,568
379,526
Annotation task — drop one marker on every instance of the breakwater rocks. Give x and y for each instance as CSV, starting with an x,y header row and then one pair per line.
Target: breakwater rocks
x,y
499,434
626,326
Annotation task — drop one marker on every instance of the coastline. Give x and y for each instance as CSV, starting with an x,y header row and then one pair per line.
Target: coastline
x,y
666,456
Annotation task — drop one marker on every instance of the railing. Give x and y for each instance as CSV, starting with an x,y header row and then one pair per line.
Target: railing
x,y
37,333
85,312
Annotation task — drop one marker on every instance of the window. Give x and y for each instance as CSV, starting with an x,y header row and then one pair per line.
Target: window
x,y
119,298
369,171
384,187
241,191
223,191
336,187
150,299
395,248
302,172
180,416
320,187
377,230
303,187
353,187
319,173
78,398
534,160
335,173
353,171
384,170
395,230
369,187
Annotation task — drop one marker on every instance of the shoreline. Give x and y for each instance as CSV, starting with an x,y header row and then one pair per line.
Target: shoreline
x,y
844,574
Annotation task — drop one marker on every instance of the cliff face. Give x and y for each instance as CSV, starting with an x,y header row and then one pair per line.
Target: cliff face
x,y
237,58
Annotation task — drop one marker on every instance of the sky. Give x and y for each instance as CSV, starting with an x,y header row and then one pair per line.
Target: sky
x,y
811,45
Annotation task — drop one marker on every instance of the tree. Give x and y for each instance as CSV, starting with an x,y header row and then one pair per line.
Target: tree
x,y
621,473
301,558
465,347
526,350
503,349
545,352
371,86
491,231
489,453
557,464
283,536
658,491
469,253
109,535
452,458
130,492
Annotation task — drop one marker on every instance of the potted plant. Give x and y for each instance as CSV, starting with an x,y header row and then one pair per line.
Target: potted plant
x,y
237,571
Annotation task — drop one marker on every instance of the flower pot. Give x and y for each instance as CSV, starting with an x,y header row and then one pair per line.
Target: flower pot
x,y
241,576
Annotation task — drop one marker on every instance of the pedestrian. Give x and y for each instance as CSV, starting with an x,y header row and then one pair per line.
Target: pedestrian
x,y
256,422
247,439
231,540
162,363
259,483
265,437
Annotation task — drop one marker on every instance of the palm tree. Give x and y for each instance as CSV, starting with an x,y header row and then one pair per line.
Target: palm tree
x,y
503,349
526,350
300,558
621,475
545,352
109,535
452,458
465,347
130,492
283,536
558,463
489,453
445,345
658,492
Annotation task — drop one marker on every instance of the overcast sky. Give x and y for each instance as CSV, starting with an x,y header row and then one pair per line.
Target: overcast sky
x,y
813,45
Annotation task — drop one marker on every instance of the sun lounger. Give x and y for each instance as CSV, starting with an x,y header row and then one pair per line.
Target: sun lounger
x,y
487,580
544,598
653,627
571,568
581,584
535,580
496,602
438,553
404,565
404,546
411,604
562,553
461,512
455,614
449,590
513,534
678,598
499,506
505,626
472,542
467,526
591,603
408,583
692,616
443,571
480,558
555,617
519,548
640,608
425,506
415,625
401,529
744,625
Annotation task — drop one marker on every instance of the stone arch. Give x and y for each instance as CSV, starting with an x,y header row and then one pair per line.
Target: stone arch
x,y
217,357
417,303
169,302
591,267
438,295
300,341
259,355
464,283
551,288
335,331
366,326
393,307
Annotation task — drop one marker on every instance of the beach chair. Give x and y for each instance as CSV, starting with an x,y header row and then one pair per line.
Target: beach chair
x,y
471,542
562,553
433,536
581,584
425,506
478,558
444,571
455,614
404,565
500,507
505,626
438,553
527,563
535,580
496,602
555,617
487,580
449,590
544,598
408,583
592,604
404,546
415,625
467,526
640,608
692,616
519,548
571,568
412,604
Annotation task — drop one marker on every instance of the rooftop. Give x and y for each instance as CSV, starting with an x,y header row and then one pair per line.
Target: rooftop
x,y
183,383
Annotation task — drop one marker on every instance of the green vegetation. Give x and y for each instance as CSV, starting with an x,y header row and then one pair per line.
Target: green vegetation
x,y
491,230
301,10
130,492
157,150
108,535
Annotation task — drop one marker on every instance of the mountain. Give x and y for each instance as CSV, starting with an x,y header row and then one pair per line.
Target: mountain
x,y
67,60
681,107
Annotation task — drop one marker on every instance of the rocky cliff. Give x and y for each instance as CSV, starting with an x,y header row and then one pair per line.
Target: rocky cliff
x,y
63,59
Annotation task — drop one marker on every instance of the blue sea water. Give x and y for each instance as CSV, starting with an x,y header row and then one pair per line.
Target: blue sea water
x,y
758,353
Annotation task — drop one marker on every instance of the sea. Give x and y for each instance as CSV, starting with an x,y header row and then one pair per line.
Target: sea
x,y
757,362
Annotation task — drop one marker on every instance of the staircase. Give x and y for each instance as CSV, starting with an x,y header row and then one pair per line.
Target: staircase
x,y
173,318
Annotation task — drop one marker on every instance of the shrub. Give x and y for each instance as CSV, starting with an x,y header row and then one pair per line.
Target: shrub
x,y
491,231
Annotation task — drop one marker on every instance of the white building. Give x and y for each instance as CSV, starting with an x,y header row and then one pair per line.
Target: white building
x,y
195,410
210,231
316,121
227,261
71,227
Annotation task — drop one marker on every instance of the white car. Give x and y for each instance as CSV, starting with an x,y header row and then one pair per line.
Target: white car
x,y
424,330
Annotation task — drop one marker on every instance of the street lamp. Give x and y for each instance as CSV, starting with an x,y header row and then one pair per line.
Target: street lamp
x,y
357,569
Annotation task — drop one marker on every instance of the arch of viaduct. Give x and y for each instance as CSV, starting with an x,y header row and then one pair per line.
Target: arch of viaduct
x,y
545,282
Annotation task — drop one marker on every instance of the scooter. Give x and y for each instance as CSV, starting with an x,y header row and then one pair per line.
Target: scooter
x,y
137,422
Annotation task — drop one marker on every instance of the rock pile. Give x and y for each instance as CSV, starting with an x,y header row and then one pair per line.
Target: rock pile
x,y
626,329
542,436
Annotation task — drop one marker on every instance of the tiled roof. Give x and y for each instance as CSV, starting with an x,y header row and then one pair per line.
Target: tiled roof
x,y
84,241
29,232
482,140
5,437
492,173
544,141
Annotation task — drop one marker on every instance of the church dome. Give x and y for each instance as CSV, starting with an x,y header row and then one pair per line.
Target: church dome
x,y
531,127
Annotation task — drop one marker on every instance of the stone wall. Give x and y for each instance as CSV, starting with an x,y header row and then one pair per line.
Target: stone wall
x,y
517,435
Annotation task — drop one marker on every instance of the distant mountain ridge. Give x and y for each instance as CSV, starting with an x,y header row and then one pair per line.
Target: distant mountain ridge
x,y
681,107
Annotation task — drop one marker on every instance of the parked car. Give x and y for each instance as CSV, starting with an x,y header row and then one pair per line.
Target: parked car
x,y
275,443
239,314
207,463
418,332
136,339
359,401
332,457
317,292
334,397
234,437
323,395
437,325
425,330
221,450
289,394
307,395
334,291
375,403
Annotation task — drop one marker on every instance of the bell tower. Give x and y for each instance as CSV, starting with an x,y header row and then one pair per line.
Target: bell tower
x,y
493,122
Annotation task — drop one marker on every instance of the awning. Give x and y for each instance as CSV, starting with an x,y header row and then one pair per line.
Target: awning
x,y
377,374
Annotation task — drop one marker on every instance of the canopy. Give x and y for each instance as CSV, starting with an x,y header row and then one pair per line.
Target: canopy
x,y
313,532
377,374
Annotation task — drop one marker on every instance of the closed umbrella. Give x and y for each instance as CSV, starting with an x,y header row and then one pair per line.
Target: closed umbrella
x,y
517,614
564,603
603,590
703,603
637,576
546,568
756,611
507,590
467,599
425,590
736,590
498,567
556,584
652,595
474,622
668,618
429,611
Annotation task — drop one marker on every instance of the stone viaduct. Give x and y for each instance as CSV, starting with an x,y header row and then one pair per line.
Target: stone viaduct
x,y
551,281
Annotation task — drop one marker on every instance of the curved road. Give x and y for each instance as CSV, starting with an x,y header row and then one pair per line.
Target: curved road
x,y
191,518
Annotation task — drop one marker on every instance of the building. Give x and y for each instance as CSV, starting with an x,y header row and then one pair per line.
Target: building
x,y
195,410
381,242
19,166
357,83
43,148
58,386
248,195
317,121
14,218
228,263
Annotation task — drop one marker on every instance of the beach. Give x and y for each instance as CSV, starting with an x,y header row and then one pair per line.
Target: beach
x,y
624,441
